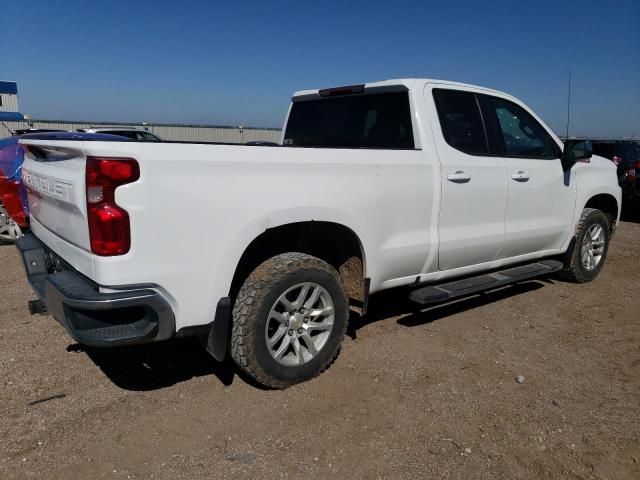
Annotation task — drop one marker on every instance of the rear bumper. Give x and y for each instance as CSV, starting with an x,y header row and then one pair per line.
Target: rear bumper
x,y
137,315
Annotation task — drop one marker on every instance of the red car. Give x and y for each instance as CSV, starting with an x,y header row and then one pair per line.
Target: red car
x,y
14,216
14,210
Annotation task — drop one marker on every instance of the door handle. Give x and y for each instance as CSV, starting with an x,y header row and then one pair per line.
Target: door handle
x,y
520,176
459,177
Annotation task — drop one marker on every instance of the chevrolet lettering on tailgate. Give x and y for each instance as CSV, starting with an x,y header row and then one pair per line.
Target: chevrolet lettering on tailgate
x,y
51,186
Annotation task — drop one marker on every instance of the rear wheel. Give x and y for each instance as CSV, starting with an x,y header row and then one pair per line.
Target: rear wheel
x,y
289,320
590,249
9,230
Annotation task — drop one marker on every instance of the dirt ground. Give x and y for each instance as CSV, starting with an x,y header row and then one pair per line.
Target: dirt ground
x,y
414,394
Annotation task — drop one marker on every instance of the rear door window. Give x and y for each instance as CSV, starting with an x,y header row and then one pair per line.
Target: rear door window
x,y
376,120
461,121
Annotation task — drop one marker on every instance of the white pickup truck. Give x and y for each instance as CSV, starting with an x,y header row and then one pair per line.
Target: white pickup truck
x,y
443,188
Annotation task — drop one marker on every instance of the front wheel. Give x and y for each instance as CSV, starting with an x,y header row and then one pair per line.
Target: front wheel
x,y
590,248
289,319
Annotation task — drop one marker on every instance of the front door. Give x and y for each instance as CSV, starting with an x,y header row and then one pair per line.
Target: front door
x,y
542,195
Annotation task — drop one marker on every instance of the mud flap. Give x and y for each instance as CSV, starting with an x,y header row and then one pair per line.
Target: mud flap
x,y
219,333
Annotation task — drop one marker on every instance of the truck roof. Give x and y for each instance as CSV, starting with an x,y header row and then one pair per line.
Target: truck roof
x,y
408,83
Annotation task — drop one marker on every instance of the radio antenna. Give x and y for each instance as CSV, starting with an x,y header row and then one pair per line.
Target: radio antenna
x,y
568,106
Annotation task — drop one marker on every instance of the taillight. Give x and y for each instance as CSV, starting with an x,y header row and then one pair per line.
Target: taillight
x,y
109,229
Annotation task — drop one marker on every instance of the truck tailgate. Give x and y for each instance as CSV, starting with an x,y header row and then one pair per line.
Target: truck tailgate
x,y
54,176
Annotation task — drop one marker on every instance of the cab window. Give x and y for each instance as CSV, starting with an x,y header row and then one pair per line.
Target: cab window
x,y
461,121
375,120
513,132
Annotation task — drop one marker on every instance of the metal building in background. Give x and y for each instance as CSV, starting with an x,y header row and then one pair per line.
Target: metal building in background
x,y
9,110
188,133
11,119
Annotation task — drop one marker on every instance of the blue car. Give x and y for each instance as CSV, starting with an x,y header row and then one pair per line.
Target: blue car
x,y
13,197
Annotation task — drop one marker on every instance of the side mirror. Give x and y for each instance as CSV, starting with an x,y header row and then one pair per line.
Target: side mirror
x,y
576,151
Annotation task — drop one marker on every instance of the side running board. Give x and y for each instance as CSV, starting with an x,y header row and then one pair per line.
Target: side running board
x,y
480,283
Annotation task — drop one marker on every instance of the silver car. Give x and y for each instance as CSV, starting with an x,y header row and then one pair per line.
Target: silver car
x,y
131,133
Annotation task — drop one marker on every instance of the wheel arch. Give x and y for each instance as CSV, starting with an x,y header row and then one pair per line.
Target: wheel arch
x,y
332,242
607,204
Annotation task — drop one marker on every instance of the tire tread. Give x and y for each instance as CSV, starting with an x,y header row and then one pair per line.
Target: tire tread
x,y
574,272
257,285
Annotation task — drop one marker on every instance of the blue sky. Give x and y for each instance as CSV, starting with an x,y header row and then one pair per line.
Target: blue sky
x,y
238,62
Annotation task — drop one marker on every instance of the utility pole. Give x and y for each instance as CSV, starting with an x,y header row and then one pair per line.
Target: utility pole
x,y
568,106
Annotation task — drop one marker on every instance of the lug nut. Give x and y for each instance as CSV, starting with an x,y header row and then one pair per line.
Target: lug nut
x,y
306,320
300,331
290,332
302,310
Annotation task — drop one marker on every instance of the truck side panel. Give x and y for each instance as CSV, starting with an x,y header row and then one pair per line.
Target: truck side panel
x,y
194,210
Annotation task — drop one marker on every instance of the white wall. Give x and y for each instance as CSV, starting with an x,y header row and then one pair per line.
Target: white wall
x,y
192,133
9,102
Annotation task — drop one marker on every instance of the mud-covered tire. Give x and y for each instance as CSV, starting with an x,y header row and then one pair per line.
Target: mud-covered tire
x,y
575,269
261,290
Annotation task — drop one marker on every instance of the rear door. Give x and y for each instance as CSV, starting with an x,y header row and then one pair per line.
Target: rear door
x,y
542,195
474,184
